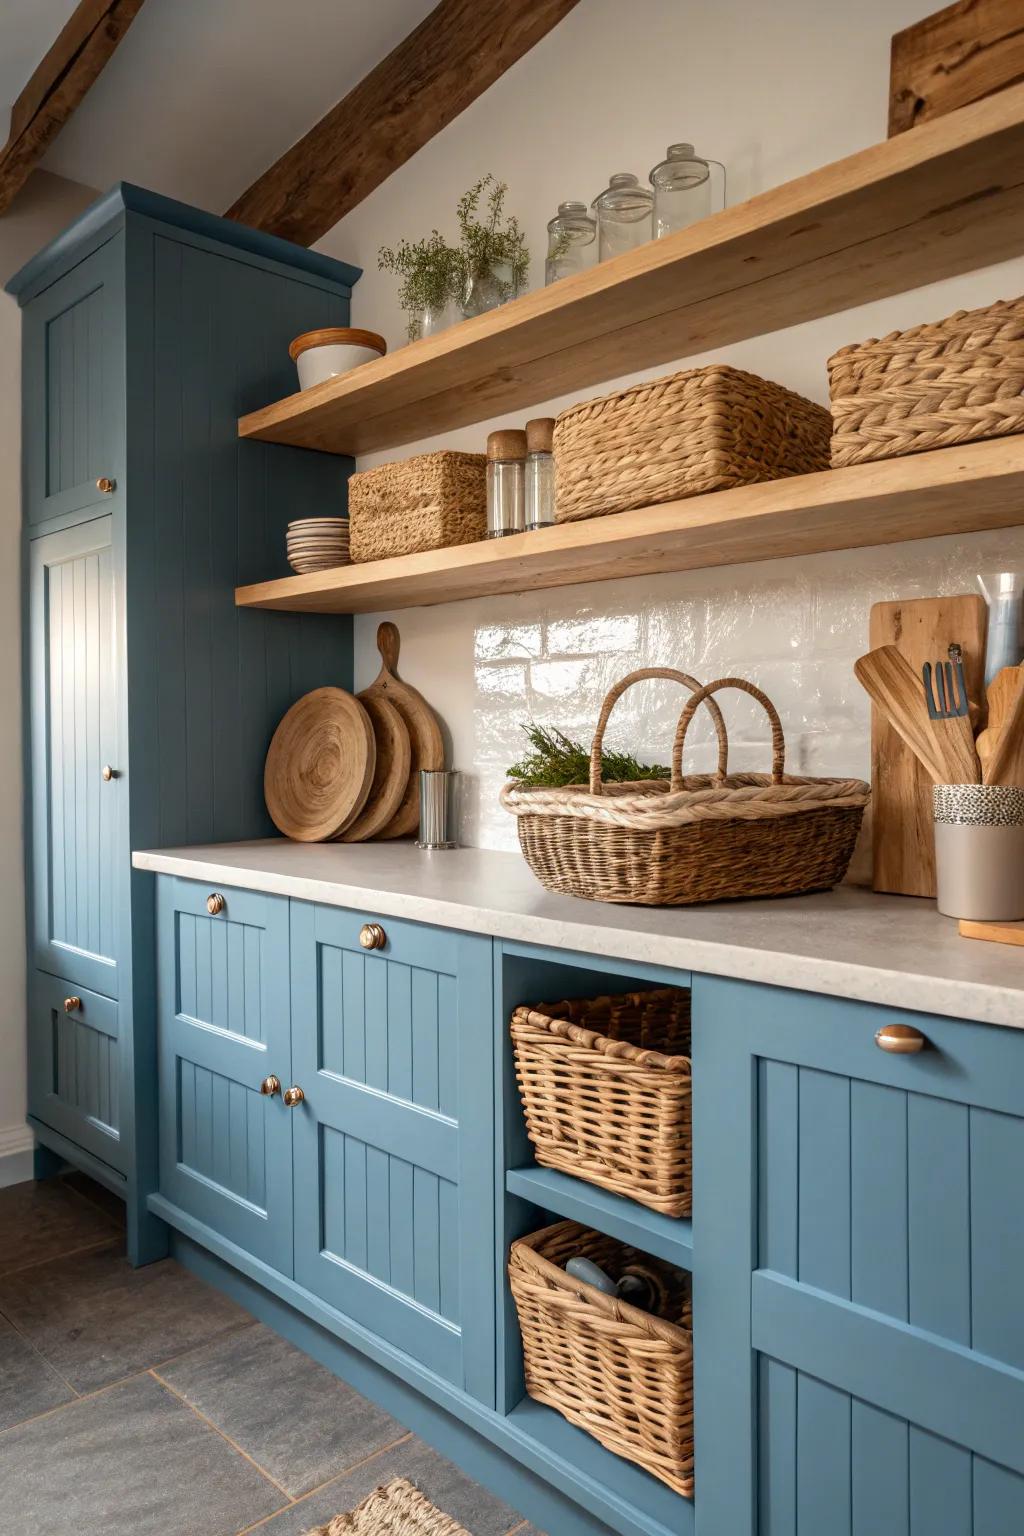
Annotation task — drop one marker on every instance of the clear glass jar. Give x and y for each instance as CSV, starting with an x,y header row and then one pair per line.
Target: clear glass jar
x,y
684,189
488,289
624,215
540,473
572,242
506,483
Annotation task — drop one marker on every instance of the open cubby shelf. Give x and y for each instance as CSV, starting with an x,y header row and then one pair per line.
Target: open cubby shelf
x,y
667,1237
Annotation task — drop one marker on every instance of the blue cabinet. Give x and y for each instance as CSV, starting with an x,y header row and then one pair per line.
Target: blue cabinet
x,y
74,1065
226,1143
394,1202
149,327
869,1236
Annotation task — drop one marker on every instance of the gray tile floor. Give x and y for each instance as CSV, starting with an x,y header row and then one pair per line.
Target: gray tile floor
x,y
143,1403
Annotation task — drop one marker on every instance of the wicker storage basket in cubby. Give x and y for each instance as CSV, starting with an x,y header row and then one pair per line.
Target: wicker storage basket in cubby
x,y
702,430
930,387
622,1374
605,1085
431,501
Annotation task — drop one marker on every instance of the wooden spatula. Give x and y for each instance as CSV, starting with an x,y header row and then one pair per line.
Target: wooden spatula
x,y
1000,694
944,747
1006,763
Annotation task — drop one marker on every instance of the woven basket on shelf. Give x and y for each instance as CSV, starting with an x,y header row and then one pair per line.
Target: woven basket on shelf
x,y
605,1085
623,1375
930,387
692,432
431,501
705,837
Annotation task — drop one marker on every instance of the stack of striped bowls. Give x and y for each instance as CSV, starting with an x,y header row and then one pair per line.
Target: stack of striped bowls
x,y
317,544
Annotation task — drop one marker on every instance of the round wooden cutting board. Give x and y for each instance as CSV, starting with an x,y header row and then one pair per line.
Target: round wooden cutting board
x,y
320,766
391,775
423,725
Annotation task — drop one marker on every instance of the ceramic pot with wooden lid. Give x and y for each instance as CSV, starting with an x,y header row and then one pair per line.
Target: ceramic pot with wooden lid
x,y
324,354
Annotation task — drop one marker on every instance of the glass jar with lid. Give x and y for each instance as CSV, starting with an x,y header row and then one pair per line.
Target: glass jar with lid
x,y
540,473
685,190
572,242
506,483
624,215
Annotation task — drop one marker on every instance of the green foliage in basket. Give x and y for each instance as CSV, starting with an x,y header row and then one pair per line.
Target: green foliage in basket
x,y
433,275
486,245
555,759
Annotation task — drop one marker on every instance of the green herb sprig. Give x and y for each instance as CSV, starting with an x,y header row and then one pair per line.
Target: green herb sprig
x,y
484,244
433,275
556,760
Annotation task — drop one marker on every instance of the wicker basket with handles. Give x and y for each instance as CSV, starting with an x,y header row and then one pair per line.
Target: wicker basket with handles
x,y
703,837
606,1090
622,1374
936,385
431,501
701,430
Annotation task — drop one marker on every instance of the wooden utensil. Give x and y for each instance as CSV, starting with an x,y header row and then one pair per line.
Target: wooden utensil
x,y
391,773
1006,763
425,739
1000,694
897,692
320,766
921,629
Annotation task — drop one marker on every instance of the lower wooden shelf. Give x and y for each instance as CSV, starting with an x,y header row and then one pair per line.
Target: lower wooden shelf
x,y
951,490
667,1237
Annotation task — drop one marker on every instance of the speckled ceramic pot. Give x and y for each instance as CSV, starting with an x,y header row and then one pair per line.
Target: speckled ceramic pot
x,y
979,851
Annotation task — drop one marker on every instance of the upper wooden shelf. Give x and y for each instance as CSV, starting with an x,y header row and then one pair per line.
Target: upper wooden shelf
x,y
951,490
944,198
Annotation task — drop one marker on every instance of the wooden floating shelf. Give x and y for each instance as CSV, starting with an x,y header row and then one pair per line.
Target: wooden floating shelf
x,y
951,490
944,199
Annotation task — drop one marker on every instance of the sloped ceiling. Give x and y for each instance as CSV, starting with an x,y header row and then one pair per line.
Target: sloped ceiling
x,y
203,95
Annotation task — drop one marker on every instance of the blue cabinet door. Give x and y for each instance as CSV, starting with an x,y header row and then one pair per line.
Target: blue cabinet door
x,y
877,1341
74,1068
77,813
222,987
394,1196
74,391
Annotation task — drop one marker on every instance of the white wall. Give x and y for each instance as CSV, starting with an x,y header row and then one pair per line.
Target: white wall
x,y
774,91
42,209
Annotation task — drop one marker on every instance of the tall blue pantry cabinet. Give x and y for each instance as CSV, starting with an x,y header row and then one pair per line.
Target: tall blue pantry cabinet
x,y
149,327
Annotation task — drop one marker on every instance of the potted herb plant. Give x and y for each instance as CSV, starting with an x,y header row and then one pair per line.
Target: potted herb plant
x,y
494,251
433,282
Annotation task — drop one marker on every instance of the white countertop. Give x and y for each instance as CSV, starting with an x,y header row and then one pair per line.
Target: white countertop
x,y
845,943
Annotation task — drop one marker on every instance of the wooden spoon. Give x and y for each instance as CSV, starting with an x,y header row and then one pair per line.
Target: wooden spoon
x,y
1006,763
944,747
999,695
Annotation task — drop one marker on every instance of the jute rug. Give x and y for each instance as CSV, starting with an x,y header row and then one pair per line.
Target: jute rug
x,y
397,1509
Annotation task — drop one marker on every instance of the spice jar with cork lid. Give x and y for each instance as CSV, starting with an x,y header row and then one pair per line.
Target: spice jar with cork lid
x,y
540,473
506,483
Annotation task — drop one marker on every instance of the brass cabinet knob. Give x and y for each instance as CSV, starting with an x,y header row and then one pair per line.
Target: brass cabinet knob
x,y
293,1096
106,485
215,903
900,1039
372,936
107,773
270,1085
72,1005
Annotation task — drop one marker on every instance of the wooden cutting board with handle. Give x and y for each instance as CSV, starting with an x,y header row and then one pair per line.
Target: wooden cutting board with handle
x,y
922,629
425,739
320,766
390,774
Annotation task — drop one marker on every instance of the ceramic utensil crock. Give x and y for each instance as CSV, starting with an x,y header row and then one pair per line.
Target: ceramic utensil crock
x,y
979,850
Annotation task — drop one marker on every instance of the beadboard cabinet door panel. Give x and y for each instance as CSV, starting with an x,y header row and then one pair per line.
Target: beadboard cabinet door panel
x,y
73,371
77,813
393,1149
74,1074
226,1147
879,1339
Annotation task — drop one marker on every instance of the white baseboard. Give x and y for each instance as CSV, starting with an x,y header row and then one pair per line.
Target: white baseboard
x,y
16,1146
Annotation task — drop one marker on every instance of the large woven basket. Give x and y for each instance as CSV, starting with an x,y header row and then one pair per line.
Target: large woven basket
x,y
623,1375
930,387
605,1085
705,837
692,432
431,501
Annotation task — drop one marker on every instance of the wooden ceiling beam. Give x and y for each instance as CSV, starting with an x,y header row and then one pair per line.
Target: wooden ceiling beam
x,y
455,53
59,83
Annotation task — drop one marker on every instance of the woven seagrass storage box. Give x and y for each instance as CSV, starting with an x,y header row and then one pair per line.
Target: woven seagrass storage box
x,y
430,501
703,837
702,430
930,387
622,1374
605,1084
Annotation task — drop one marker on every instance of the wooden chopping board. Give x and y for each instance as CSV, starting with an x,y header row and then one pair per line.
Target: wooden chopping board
x,y
320,766
903,840
425,739
391,773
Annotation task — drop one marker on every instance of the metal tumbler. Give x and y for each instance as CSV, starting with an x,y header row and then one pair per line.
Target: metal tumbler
x,y
439,788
